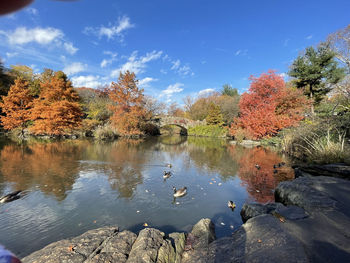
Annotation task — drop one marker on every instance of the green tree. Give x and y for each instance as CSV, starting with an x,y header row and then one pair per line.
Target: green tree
x,y
229,91
27,74
215,116
5,80
316,71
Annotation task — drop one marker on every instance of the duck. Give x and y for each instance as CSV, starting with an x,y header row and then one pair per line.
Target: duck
x,y
180,192
257,166
275,166
166,174
10,197
275,171
231,205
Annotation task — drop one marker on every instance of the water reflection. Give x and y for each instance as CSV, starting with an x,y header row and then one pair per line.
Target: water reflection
x,y
256,170
79,185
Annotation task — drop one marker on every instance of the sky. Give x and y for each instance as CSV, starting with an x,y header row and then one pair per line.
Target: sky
x,y
175,47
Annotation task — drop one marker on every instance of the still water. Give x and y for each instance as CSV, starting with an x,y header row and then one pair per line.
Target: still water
x,y
73,186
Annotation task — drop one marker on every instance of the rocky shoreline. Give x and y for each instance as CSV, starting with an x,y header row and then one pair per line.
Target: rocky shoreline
x,y
309,222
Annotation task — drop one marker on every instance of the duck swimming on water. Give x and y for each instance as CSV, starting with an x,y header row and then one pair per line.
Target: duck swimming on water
x,y
166,174
231,205
180,192
257,166
10,197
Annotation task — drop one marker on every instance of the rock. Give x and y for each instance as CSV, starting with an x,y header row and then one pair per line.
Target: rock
x,y
116,249
166,253
197,243
291,212
252,210
260,239
146,246
77,249
179,240
314,193
339,170
288,212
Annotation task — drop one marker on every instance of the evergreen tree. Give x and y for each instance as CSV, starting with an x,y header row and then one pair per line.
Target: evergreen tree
x,y
229,91
214,115
316,71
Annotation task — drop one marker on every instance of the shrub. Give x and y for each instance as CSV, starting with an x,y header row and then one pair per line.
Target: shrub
x,y
208,131
105,132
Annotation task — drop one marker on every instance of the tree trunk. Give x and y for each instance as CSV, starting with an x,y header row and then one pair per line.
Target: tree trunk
x,y
312,104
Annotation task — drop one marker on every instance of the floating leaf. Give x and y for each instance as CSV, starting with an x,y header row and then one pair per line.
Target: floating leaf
x,y
145,224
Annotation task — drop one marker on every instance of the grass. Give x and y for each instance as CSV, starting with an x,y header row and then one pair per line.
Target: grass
x,y
207,131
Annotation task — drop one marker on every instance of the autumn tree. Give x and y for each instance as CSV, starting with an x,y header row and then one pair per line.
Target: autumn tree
x,y
25,72
316,71
56,111
214,116
128,112
175,110
269,106
16,106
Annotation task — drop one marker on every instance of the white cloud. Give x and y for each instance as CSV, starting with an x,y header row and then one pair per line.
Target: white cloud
x,y
11,54
74,68
89,81
181,70
238,52
32,11
137,64
144,83
111,31
283,75
68,46
309,37
176,64
42,36
241,52
106,62
171,89
205,92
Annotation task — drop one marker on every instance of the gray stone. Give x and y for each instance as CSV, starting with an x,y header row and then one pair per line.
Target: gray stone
x,y
146,246
260,239
291,212
197,243
166,253
339,170
116,249
73,250
179,240
253,209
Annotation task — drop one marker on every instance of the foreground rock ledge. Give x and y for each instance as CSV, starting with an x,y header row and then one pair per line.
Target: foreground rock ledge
x,y
309,223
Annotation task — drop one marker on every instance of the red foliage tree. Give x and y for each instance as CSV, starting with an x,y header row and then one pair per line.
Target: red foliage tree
x,y
269,106
129,111
57,110
16,106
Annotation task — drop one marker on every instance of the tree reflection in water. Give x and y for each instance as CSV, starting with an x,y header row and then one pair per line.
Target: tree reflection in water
x,y
260,183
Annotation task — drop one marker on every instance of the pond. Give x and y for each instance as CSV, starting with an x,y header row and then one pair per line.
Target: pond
x,y
73,186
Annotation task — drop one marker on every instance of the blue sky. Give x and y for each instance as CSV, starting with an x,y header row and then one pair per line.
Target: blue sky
x,y
176,47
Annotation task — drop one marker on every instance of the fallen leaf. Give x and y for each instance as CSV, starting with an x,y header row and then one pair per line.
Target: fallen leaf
x,y
219,184
71,248
210,183
282,219
138,211
95,221
259,241
145,224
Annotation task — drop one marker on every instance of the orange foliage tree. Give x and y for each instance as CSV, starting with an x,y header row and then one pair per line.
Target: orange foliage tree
x,y
129,111
16,106
269,106
57,110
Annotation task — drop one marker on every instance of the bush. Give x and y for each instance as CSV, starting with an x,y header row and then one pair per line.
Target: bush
x,y
311,143
208,131
105,132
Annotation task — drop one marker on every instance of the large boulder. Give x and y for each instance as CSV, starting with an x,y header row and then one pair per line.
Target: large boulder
x,y
260,239
145,249
77,249
197,242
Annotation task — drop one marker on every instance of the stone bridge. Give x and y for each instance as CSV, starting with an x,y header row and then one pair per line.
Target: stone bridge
x,y
164,120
